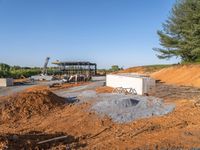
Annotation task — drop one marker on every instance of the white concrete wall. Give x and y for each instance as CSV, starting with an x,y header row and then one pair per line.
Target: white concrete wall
x,y
4,82
125,82
141,84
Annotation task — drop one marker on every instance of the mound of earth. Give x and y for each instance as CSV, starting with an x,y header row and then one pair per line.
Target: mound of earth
x,y
29,103
187,75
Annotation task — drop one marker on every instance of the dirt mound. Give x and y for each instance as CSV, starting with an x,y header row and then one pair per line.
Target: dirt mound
x,y
28,103
188,75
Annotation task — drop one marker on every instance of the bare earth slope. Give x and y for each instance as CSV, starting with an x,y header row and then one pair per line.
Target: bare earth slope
x,y
187,75
144,69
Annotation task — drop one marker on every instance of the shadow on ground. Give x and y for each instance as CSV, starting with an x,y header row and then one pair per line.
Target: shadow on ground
x,y
39,140
72,100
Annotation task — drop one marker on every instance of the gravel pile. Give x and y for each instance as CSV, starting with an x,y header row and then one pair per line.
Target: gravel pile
x,y
123,108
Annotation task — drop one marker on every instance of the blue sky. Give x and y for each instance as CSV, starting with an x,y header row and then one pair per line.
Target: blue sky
x,y
108,32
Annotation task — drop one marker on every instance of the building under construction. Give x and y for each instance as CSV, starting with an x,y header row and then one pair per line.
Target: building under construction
x,y
76,67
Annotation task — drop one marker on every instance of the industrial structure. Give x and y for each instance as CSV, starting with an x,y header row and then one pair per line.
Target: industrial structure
x,y
76,68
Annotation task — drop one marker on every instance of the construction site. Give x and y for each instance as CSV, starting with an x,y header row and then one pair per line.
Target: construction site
x,y
100,75
136,108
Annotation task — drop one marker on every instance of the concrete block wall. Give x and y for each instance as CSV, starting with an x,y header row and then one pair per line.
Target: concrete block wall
x,y
4,82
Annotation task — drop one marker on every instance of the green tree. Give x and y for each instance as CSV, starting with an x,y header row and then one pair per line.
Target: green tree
x,y
180,36
4,67
4,70
115,68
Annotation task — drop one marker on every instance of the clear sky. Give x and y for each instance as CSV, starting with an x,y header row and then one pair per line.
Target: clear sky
x,y
108,32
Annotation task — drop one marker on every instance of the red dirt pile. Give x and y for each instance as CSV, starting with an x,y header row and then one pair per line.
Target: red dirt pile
x,y
29,103
187,75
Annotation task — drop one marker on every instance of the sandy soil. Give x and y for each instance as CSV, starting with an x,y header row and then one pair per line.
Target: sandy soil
x,y
188,75
179,129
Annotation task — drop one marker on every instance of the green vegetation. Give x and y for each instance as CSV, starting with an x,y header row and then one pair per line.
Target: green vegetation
x,y
17,71
115,68
180,36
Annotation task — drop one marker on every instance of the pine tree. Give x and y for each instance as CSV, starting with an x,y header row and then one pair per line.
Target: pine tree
x,y
180,36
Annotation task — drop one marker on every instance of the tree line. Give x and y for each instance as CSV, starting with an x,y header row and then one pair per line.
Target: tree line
x,y
7,71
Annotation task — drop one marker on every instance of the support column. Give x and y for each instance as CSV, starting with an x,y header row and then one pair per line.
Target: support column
x,y
95,69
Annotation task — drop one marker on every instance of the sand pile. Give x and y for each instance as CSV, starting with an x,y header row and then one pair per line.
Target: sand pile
x,y
187,75
29,103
